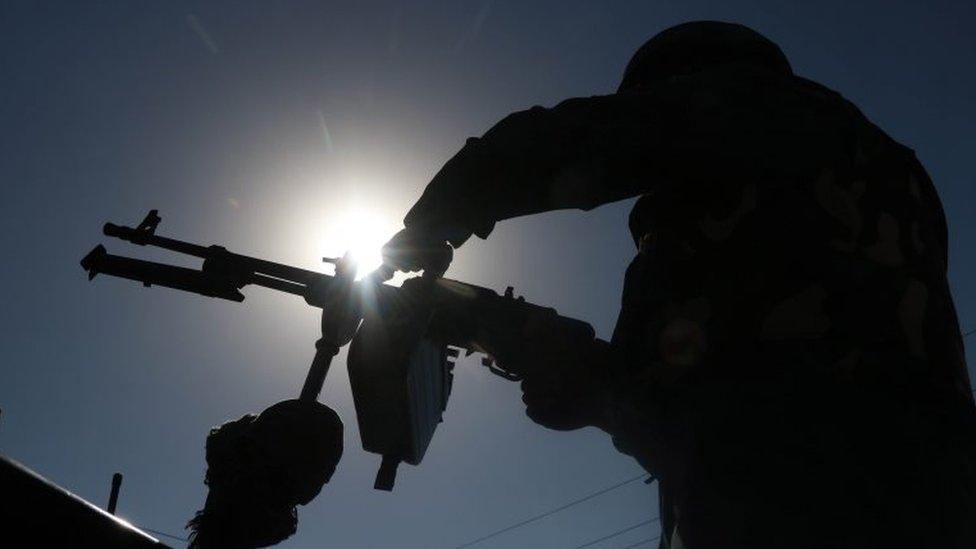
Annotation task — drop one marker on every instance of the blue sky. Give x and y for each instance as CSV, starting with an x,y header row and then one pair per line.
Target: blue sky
x,y
256,126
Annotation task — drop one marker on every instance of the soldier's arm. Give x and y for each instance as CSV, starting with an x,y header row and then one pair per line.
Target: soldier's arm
x,y
580,154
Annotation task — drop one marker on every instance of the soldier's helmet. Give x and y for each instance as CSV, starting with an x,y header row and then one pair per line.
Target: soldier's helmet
x,y
692,47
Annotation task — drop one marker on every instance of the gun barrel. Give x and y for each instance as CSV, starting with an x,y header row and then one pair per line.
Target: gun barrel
x,y
145,238
149,273
204,282
217,257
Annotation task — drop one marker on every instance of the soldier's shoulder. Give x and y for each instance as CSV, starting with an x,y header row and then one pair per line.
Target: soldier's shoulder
x,y
866,129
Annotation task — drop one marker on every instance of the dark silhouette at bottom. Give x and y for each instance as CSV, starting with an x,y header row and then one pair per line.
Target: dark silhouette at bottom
x,y
43,514
259,468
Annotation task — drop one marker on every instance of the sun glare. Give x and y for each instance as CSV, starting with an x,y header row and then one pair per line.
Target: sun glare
x,y
360,232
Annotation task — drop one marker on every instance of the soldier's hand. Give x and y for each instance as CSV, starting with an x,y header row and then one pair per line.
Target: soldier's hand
x,y
564,386
415,249
565,401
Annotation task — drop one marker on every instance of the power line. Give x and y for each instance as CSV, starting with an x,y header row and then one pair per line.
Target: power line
x,y
618,532
642,542
550,512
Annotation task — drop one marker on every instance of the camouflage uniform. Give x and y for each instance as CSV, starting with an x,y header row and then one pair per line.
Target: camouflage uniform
x,y
788,358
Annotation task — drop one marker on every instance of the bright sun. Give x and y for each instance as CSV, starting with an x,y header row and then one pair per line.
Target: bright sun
x,y
360,232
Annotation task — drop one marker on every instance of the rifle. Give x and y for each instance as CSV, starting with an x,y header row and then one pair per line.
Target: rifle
x,y
404,340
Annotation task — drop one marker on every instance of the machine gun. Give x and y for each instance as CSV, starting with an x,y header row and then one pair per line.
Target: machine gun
x,y
403,339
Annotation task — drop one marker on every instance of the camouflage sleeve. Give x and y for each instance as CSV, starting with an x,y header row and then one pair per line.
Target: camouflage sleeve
x,y
580,154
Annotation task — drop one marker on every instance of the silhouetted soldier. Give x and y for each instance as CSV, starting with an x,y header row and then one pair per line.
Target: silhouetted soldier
x,y
787,359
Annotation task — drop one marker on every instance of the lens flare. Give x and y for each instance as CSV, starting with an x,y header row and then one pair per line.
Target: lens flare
x,y
360,232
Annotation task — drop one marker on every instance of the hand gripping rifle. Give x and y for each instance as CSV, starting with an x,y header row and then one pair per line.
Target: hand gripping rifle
x,y
403,339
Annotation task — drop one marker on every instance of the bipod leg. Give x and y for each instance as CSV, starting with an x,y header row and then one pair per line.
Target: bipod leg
x,y
325,351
